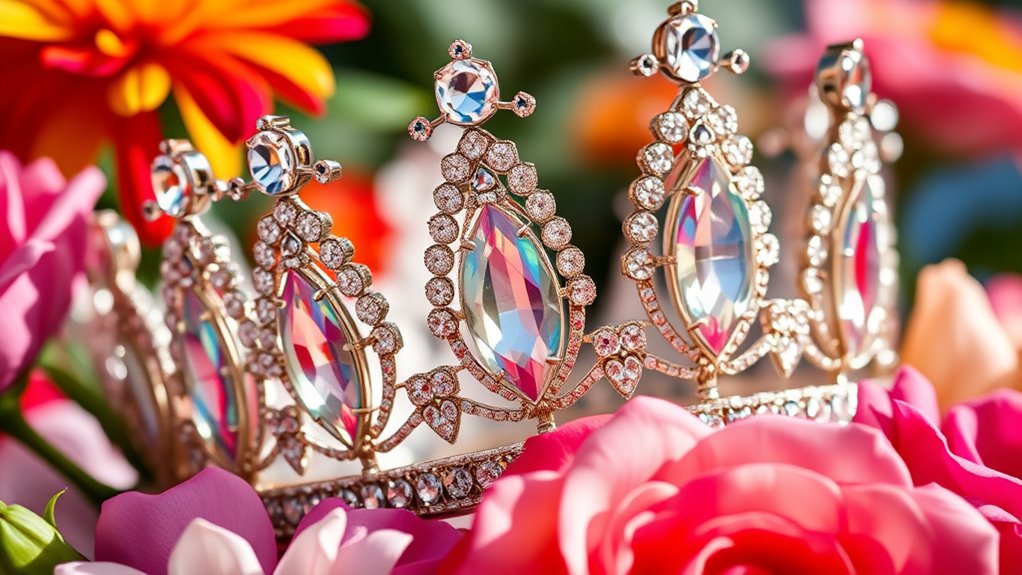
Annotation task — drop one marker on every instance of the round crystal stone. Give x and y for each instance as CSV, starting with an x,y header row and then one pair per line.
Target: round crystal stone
x,y
466,90
271,161
170,185
690,46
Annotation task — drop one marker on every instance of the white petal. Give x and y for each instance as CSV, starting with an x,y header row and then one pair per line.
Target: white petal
x,y
378,552
313,552
212,550
98,568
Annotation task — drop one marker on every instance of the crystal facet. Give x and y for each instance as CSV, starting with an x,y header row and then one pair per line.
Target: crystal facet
x,y
215,409
324,374
467,91
713,251
511,303
170,185
858,269
691,47
271,161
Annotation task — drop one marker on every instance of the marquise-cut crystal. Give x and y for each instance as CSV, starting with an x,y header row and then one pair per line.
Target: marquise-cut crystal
x,y
324,374
467,91
859,269
271,162
170,186
215,409
510,302
713,251
691,46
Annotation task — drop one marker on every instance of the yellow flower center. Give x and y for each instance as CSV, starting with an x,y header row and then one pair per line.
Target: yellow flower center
x,y
110,44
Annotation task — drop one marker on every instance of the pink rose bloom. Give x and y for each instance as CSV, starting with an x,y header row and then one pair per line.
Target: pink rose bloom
x,y
652,490
42,248
953,68
215,524
978,455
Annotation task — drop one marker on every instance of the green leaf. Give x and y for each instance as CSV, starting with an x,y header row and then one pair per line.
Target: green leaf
x,y
51,506
29,544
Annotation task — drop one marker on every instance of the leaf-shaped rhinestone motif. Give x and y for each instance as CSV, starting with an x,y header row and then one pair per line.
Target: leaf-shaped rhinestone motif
x,y
511,302
714,260
323,372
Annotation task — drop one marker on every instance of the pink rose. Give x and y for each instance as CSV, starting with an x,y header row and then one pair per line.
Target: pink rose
x,y
978,455
42,245
652,490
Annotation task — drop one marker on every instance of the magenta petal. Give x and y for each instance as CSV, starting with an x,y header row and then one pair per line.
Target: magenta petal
x,y
140,530
432,539
555,451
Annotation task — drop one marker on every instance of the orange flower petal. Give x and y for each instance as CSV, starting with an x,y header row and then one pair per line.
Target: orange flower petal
x,y
223,155
142,88
300,73
28,22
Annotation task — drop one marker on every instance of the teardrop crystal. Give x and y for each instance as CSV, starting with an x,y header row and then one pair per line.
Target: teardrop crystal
x,y
325,375
858,269
208,381
510,301
713,252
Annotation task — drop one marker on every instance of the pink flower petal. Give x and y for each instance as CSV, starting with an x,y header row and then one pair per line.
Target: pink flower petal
x,y
22,259
314,550
98,568
140,530
637,441
376,554
555,451
212,550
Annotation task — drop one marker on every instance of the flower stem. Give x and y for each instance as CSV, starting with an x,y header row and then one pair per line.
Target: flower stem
x,y
13,423
112,423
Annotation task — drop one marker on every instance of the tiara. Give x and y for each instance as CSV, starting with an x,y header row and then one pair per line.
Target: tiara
x,y
716,248
308,366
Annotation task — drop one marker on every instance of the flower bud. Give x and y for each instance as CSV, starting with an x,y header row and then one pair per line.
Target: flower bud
x,y
30,544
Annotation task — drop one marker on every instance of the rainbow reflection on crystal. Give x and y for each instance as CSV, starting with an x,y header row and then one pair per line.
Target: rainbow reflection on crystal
x,y
208,379
510,300
858,269
466,90
712,249
323,373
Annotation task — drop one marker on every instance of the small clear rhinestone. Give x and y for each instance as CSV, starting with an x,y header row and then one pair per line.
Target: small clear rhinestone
x,y
816,251
672,127
448,199
830,192
263,255
284,212
372,496
820,218
759,216
606,342
262,280
268,230
696,103
541,206
633,338
523,179
443,228
291,246
335,252
371,308
487,472
641,227
768,250
738,151
638,264
310,227
458,482
556,233
838,159
582,291
439,259
648,193
749,182
440,291
473,144
455,168
502,155
570,261
658,158
399,493
723,121
427,486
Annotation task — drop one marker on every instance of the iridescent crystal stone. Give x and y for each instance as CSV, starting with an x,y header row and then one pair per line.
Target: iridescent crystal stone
x,y
271,161
215,409
170,186
858,270
690,46
323,373
713,252
510,300
467,91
